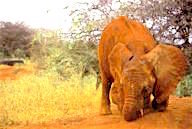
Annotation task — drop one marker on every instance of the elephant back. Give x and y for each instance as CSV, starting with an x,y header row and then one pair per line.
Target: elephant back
x,y
130,32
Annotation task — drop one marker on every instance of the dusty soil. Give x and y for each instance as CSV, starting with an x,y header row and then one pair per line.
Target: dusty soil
x,y
177,116
14,72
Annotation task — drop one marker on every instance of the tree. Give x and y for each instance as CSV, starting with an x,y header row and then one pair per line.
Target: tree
x,y
15,39
168,20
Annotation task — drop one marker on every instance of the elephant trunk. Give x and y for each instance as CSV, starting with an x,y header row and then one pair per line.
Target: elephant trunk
x,y
130,109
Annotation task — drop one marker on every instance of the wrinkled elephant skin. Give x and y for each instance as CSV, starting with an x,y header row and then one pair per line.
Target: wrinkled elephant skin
x,y
131,33
133,67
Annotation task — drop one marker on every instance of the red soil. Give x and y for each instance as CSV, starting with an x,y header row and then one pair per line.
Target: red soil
x,y
177,116
13,72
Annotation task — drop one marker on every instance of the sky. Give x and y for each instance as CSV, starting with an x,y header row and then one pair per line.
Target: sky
x,y
38,13
48,14
41,13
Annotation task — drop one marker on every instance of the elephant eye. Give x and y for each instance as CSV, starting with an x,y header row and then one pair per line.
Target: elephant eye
x,y
131,58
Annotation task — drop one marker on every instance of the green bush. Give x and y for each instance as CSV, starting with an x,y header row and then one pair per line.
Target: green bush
x,y
63,57
78,57
185,87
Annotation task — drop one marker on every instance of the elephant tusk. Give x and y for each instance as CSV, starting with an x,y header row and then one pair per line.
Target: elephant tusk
x,y
141,111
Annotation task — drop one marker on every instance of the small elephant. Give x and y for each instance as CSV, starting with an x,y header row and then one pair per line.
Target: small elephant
x,y
136,78
131,33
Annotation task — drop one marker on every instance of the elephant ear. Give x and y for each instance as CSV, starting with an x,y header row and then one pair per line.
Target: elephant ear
x,y
118,56
169,67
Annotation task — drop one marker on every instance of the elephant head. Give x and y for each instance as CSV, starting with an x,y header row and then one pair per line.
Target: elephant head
x,y
157,72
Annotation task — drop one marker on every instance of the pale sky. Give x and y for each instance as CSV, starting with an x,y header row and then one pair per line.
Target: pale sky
x,y
34,12
43,13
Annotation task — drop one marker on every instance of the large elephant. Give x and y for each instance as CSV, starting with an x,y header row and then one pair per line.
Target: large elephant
x,y
137,39
136,78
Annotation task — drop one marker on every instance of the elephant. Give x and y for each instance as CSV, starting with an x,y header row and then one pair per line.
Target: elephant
x,y
131,62
136,78
137,39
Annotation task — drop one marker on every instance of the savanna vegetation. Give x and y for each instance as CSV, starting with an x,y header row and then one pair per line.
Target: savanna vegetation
x,y
64,66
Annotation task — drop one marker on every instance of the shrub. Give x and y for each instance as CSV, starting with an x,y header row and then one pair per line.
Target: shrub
x,y
185,87
15,39
53,54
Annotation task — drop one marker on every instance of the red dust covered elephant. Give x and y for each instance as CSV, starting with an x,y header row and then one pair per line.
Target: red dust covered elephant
x,y
130,60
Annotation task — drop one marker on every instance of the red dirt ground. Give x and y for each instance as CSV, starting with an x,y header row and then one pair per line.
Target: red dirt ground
x,y
14,72
177,116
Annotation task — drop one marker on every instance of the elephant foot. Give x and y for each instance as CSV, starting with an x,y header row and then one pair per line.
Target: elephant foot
x,y
105,110
160,107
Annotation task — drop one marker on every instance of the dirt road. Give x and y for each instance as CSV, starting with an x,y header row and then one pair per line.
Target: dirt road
x,y
177,116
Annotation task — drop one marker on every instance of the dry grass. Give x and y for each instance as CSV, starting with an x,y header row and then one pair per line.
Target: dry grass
x,y
42,98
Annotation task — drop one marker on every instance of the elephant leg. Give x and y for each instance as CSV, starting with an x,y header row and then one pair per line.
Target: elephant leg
x,y
105,101
98,81
114,93
160,106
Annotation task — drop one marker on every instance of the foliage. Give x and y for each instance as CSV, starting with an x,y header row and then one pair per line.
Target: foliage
x,y
45,45
187,50
168,20
65,58
89,20
15,39
185,87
